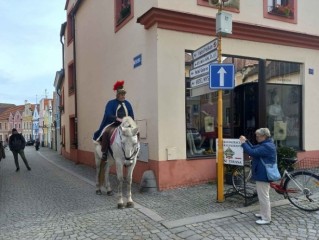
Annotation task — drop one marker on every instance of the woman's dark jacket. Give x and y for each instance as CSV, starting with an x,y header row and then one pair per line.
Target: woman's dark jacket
x,y
265,150
16,142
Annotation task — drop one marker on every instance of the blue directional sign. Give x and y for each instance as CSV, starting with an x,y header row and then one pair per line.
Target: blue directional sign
x,y
221,76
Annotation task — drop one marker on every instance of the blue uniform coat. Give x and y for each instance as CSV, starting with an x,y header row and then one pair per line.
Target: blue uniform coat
x,y
265,150
110,115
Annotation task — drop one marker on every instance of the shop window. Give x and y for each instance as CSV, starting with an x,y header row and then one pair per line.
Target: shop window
x,y
245,108
281,10
283,95
124,12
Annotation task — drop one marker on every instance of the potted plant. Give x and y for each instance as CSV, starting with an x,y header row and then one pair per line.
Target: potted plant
x,y
285,152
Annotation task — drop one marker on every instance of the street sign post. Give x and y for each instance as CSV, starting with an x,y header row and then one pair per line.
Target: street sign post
x,y
221,76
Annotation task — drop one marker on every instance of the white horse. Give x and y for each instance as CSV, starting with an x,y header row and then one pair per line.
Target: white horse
x,y
124,148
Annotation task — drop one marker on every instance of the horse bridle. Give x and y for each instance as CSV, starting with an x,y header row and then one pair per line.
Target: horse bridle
x,y
133,154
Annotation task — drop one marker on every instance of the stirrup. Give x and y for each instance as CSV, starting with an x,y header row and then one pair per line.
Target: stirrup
x,y
104,157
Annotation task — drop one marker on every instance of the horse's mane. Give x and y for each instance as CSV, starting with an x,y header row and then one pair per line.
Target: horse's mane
x,y
128,122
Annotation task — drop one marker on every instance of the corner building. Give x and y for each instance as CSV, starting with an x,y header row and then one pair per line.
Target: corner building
x,y
149,43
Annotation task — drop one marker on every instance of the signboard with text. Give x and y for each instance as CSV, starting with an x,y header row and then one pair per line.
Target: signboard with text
x,y
233,151
202,57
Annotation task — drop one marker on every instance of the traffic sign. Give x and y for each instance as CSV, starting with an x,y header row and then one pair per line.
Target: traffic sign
x,y
207,48
221,76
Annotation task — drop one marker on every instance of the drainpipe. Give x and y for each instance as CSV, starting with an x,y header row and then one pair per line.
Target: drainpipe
x,y
62,31
63,26
75,81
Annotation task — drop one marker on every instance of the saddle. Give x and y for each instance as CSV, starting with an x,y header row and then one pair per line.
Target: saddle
x,y
108,136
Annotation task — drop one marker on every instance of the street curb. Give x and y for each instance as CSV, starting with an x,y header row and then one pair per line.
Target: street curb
x,y
200,218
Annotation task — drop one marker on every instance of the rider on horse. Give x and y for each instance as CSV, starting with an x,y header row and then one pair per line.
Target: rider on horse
x,y
115,110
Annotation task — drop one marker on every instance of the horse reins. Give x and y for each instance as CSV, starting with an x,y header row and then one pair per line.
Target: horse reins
x,y
133,154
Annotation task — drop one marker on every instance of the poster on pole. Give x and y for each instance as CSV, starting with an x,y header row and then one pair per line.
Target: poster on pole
x,y
233,151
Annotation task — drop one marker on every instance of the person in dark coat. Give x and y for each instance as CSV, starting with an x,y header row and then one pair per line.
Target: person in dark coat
x,y
115,110
2,151
17,145
265,150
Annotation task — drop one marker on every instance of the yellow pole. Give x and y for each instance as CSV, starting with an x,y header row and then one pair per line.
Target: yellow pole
x,y
220,163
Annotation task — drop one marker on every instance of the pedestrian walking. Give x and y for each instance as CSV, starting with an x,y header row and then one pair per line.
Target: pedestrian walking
x,y
265,151
2,152
17,145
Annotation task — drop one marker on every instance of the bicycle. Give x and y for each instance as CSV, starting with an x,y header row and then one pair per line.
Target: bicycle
x,y
299,185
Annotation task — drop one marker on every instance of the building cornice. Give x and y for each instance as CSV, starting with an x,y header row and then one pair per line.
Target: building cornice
x,y
192,23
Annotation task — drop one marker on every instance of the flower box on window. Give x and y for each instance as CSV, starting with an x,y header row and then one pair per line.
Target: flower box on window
x,y
282,11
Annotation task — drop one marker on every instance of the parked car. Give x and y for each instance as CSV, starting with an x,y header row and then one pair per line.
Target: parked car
x,y
30,143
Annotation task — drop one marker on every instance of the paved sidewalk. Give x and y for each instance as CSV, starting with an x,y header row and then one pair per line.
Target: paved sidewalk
x,y
168,205
57,200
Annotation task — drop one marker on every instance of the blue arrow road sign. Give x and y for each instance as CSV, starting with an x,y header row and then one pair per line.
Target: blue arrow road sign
x,y
221,76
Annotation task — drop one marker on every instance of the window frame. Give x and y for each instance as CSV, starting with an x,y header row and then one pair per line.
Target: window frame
x,y
278,13
121,22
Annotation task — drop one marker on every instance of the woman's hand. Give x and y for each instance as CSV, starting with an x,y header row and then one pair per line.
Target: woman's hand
x,y
242,139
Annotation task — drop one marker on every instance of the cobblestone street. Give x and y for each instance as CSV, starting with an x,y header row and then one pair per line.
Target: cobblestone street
x,y
57,200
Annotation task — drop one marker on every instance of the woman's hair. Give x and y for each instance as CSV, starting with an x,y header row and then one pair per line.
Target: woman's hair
x,y
263,132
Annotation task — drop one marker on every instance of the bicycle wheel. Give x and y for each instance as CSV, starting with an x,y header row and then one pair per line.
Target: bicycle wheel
x,y
302,190
241,180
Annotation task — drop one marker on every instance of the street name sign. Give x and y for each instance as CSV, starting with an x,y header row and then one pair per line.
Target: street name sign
x,y
200,81
221,76
207,48
209,58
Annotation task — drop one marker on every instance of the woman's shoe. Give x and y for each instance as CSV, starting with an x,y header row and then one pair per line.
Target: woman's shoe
x,y
257,215
262,222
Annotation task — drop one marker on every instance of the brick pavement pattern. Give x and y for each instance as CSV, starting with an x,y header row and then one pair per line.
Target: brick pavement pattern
x,y
56,200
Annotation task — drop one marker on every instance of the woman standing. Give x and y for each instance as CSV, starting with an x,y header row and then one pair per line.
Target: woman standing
x,y
265,150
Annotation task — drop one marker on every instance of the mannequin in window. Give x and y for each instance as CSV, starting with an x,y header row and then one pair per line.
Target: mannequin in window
x,y
191,143
208,131
276,120
275,109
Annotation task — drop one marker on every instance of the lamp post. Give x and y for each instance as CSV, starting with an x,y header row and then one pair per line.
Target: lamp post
x,y
223,27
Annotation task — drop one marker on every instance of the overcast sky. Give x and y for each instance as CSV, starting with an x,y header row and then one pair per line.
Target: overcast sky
x,y
30,48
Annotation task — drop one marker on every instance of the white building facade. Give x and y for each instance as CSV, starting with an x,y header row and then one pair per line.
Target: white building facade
x,y
149,44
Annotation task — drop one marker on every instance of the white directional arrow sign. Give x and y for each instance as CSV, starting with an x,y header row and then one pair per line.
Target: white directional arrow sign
x,y
221,76
221,73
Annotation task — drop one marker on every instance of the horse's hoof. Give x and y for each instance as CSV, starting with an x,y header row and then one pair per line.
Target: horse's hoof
x,y
120,206
129,204
110,193
98,192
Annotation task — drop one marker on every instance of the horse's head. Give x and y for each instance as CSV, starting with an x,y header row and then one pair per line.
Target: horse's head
x,y
129,140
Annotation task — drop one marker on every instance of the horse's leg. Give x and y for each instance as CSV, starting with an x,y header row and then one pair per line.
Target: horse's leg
x,y
107,180
119,173
98,184
130,203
